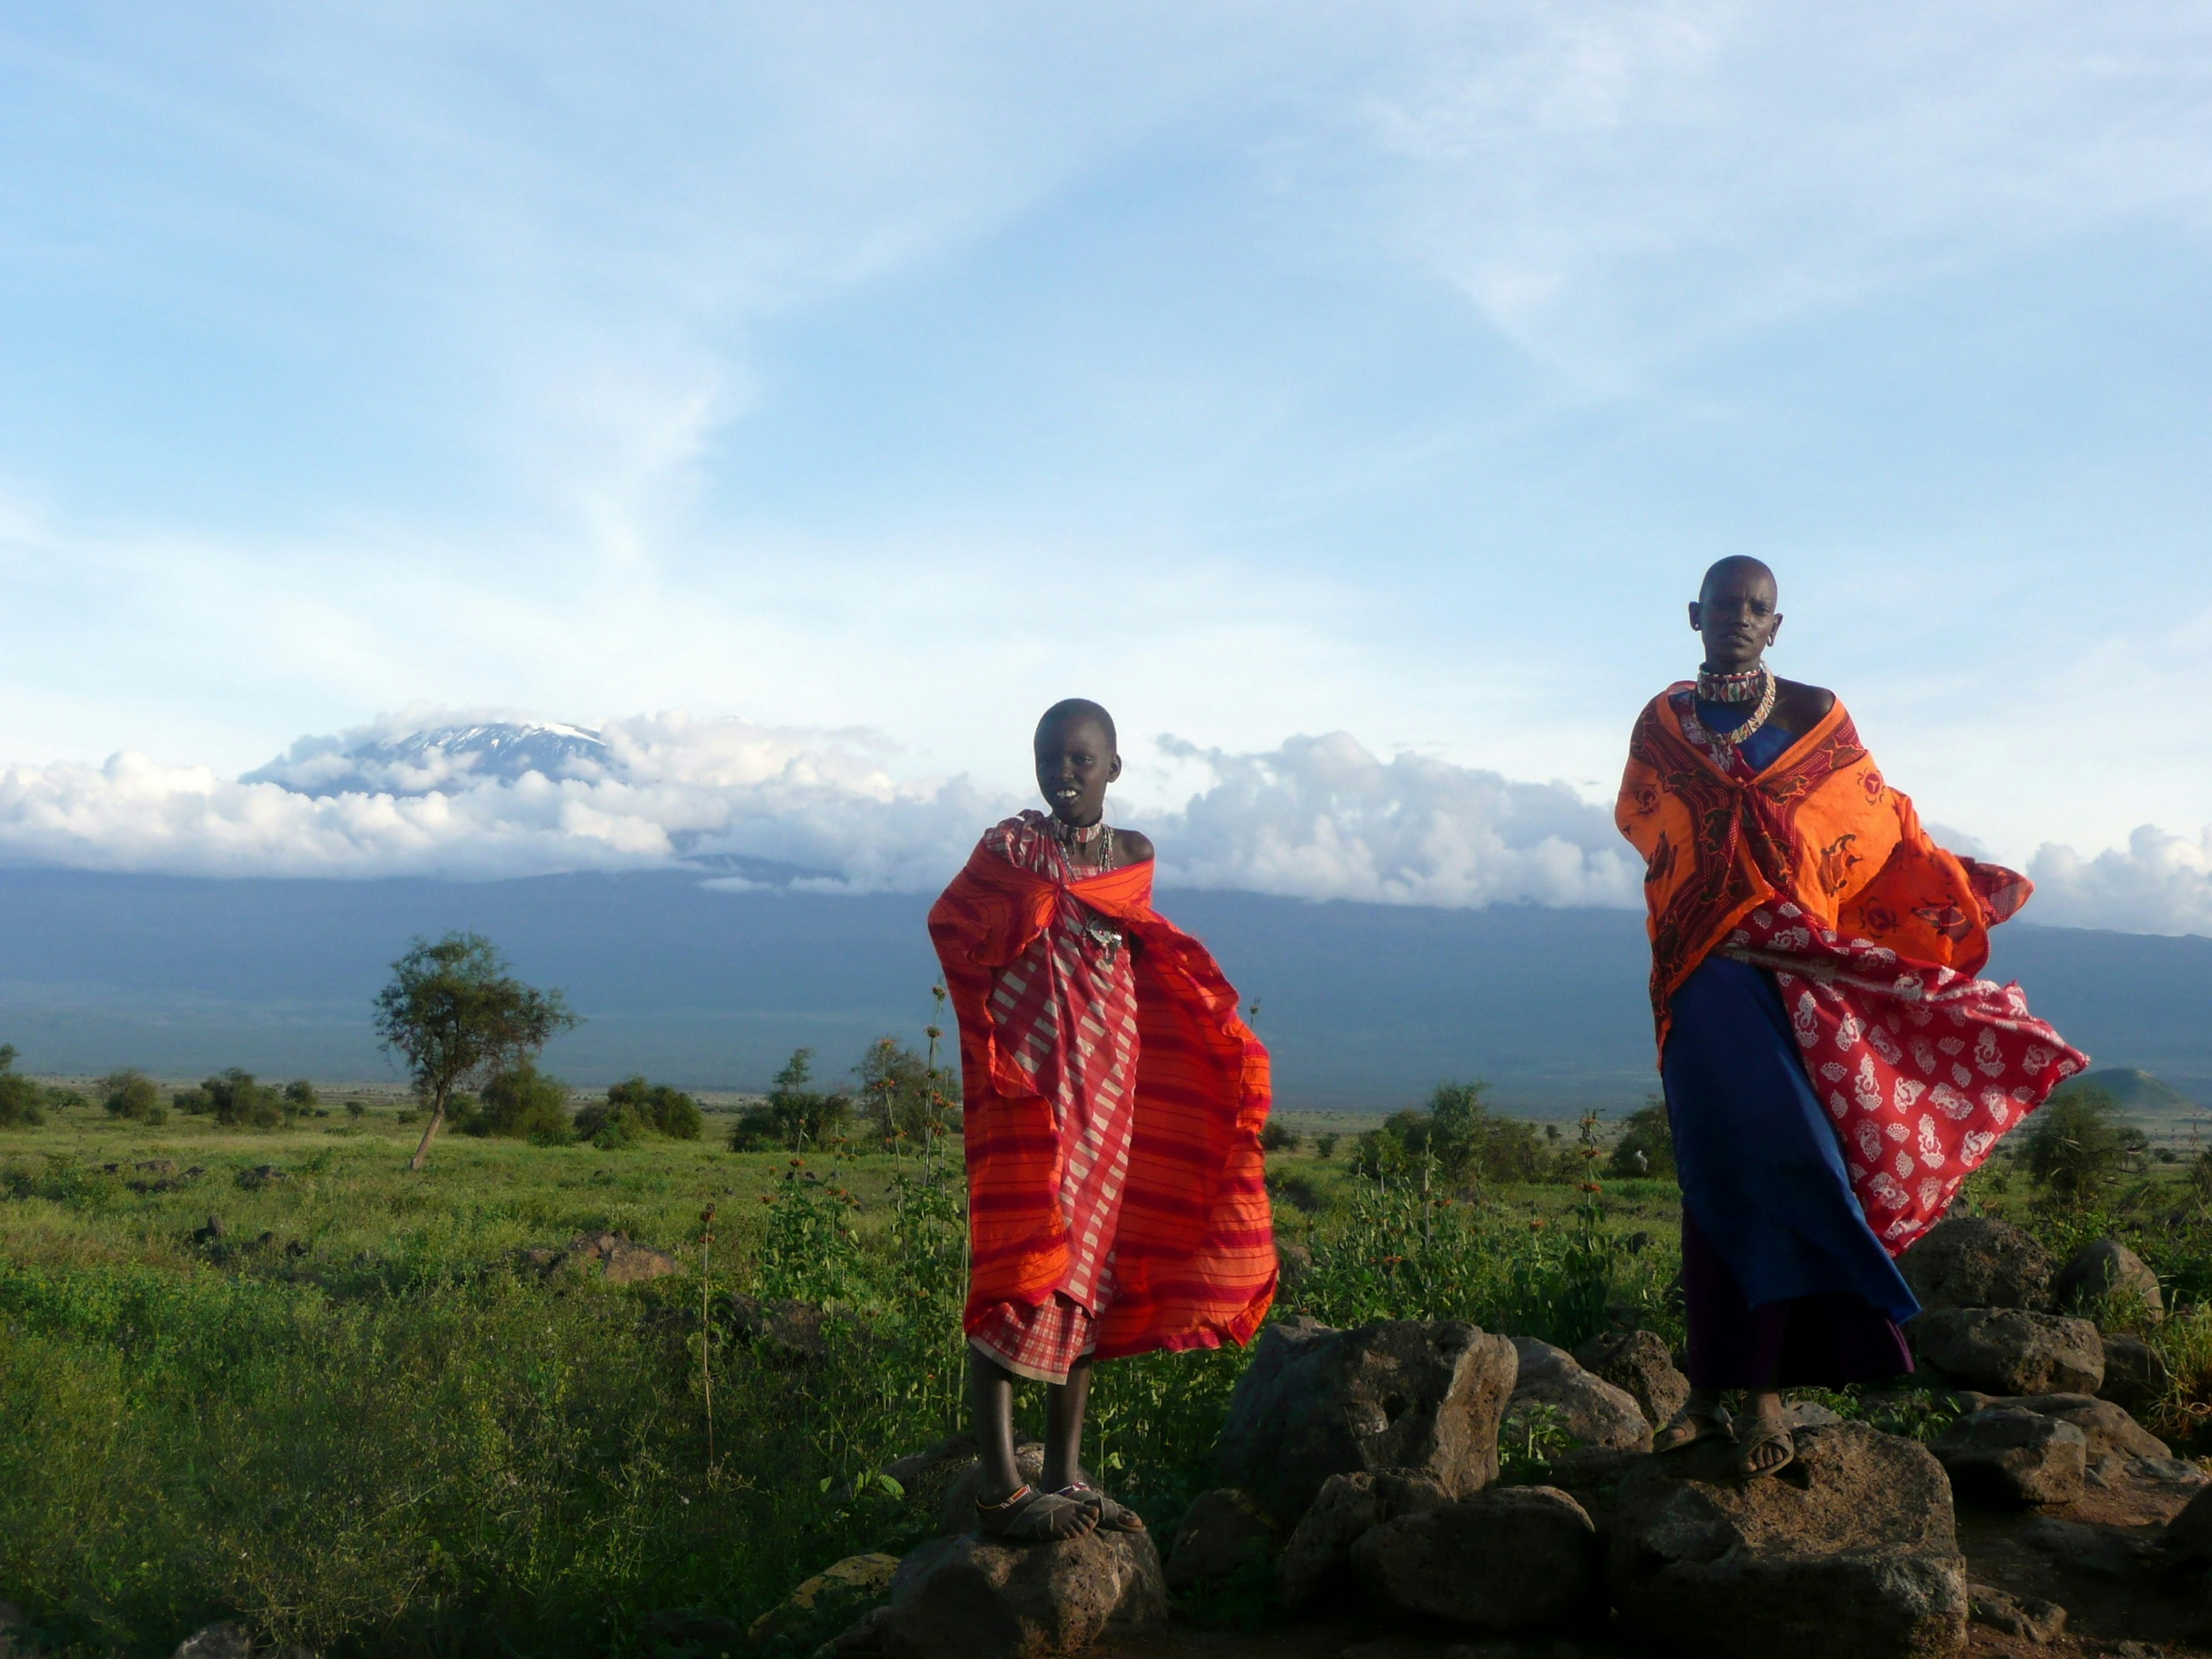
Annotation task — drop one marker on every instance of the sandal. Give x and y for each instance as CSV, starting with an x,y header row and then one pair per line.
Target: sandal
x,y
1112,1516
1688,1426
1765,1432
1030,1516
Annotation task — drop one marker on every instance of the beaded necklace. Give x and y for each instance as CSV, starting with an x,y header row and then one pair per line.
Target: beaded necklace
x,y
1070,836
1743,733
1744,687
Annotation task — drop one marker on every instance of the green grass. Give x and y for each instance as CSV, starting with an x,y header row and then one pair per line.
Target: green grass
x,y
358,1422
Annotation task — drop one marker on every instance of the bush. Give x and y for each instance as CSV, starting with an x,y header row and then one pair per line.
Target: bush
x,y
522,1104
130,1094
641,1108
1457,1135
2079,1144
1646,1147
300,1096
794,1114
21,1101
1279,1137
1325,1146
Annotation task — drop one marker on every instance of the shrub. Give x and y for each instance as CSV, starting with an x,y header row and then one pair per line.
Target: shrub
x,y
21,1101
642,1108
1457,1135
1325,1146
794,1114
130,1093
521,1105
1646,1147
300,1096
2079,1144
1279,1137
236,1101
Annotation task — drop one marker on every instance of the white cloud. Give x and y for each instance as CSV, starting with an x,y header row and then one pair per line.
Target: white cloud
x,y
2159,884
479,794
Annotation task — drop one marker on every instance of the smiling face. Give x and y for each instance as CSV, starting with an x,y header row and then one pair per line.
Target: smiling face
x,y
1734,611
1075,762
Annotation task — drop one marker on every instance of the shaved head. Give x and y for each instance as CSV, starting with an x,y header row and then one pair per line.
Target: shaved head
x,y
1069,710
1723,571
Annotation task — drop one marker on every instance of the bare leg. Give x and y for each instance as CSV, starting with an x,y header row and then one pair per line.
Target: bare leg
x,y
1063,1426
991,1386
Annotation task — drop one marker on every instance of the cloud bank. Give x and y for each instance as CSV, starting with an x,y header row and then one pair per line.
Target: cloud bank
x,y
482,795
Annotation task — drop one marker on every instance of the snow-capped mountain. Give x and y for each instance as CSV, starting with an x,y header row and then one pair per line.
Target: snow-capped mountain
x,y
440,760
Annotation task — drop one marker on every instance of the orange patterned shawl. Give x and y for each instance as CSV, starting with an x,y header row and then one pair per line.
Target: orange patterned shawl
x,y
1820,827
1194,1254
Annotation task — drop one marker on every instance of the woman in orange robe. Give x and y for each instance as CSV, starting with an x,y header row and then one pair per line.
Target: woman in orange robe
x,y
1833,1068
1113,1108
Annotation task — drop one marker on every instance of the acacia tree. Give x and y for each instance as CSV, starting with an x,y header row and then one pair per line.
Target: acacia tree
x,y
457,1018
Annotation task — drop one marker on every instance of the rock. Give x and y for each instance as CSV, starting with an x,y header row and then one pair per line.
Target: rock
x,y
864,1636
2109,1429
786,1328
827,1602
1423,1397
209,1235
2189,1534
927,1474
1316,1566
2005,1351
224,1641
1510,1558
618,1260
1851,1552
956,1513
1978,1262
2104,1268
1591,1475
1637,1363
2027,1617
967,1598
1593,1411
1807,1414
261,1174
1293,1262
688,1632
2006,1455
2136,1376
1224,1532
2100,1552
160,1166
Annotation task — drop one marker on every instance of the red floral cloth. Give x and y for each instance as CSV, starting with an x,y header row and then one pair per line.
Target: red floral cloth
x,y
1922,1068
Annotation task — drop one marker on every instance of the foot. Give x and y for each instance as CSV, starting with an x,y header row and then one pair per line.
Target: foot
x,y
1112,1516
1763,1444
1688,1426
1030,1516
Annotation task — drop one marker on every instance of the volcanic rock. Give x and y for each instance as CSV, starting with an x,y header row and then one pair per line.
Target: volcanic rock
x,y
2135,1374
969,1598
1316,1566
2008,1454
2102,1269
2006,1351
1850,1552
1224,1533
1593,1411
1638,1363
1420,1396
1978,1262
1510,1558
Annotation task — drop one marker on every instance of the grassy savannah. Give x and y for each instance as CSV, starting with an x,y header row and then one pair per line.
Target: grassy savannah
x,y
361,1419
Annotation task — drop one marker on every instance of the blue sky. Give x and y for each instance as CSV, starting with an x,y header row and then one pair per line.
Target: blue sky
x,y
872,377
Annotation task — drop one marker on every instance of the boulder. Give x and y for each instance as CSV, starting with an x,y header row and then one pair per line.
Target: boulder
x,y
827,1602
1638,1361
2136,1376
1316,1566
2104,1268
968,1598
1593,1411
1293,1262
1508,1560
2110,1431
1851,1552
224,1641
1978,1262
2189,1534
2027,1617
1422,1396
925,1475
956,1511
2006,1455
784,1329
1224,1533
616,1259
2006,1351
